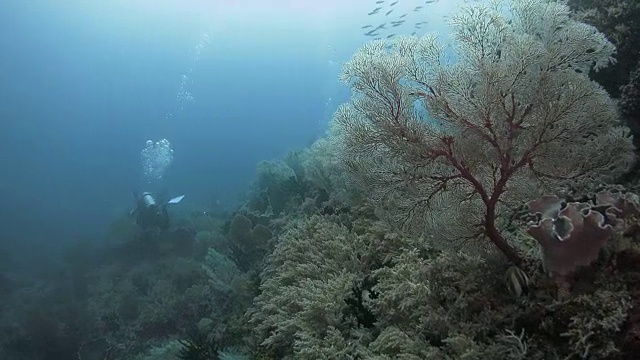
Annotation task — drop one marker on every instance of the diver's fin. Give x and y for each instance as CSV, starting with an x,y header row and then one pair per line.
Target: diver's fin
x,y
176,199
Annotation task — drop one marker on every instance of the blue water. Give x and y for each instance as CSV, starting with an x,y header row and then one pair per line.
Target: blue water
x,y
83,85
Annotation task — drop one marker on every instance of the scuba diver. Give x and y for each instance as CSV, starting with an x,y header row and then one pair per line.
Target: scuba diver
x,y
150,213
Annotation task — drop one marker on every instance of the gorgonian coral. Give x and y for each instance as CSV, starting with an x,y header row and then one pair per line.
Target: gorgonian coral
x,y
448,149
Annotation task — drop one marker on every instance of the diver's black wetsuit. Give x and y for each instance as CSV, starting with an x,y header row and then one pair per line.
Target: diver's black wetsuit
x,y
150,214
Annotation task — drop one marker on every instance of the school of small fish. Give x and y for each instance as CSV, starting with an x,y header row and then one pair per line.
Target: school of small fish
x,y
386,9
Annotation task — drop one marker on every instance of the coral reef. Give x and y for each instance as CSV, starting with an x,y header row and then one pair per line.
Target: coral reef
x,y
370,293
372,243
515,116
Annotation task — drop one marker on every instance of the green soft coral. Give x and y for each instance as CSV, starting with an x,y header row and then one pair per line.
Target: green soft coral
x,y
437,306
312,271
591,331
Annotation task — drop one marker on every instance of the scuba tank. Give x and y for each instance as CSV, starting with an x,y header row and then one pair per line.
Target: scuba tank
x,y
150,213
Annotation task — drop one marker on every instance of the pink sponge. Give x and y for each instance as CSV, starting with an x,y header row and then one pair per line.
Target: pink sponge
x,y
572,234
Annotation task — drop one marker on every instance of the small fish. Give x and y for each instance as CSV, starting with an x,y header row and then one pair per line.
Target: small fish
x,y
403,15
393,3
430,1
375,11
366,26
388,12
390,36
414,33
381,26
379,1
371,33
418,8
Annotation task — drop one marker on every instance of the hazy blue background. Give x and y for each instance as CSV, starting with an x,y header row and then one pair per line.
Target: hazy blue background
x,y
83,85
